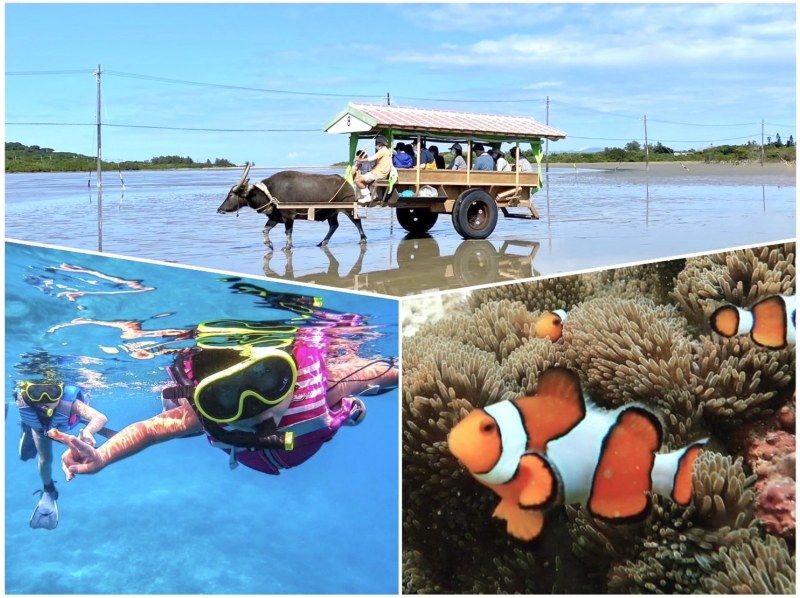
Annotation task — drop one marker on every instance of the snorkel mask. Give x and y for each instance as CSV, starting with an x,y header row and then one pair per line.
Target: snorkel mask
x,y
264,380
41,394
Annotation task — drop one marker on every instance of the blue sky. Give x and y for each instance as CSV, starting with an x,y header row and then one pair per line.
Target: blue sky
x,y
602,65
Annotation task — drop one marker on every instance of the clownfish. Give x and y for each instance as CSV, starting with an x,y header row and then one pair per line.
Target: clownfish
x,y
550,325
549,449
772,322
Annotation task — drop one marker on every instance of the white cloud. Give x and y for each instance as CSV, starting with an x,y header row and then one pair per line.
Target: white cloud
x,y
543,85
617,36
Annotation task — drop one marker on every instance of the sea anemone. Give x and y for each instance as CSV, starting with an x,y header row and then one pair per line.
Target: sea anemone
x,y
637,335
738,277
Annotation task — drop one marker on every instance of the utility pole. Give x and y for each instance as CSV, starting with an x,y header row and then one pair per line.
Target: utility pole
x,y
99,166
762,142
646,146
547,141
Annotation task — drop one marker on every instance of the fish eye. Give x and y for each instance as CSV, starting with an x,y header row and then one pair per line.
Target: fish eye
x,y
488,427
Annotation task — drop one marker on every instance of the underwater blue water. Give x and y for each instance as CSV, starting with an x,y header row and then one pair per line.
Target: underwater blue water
x,y
174,518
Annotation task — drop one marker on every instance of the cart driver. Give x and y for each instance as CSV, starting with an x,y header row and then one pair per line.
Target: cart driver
x,y
380,171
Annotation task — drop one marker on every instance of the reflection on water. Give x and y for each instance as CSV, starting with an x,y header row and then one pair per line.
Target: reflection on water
x,y
418,263
589,218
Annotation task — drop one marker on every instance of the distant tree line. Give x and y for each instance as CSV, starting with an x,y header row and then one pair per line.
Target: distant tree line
x,y
633,151
32,158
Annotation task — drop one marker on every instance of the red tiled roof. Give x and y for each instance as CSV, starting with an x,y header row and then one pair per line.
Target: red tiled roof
x,y
446,121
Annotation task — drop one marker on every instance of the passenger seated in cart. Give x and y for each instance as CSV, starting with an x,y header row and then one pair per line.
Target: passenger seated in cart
x,y
438,158
401,158
501,164
521,163
483,161
458,163
426,158
363,167
379,172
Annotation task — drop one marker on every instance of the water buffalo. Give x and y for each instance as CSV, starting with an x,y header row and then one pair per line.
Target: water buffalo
x,y
293,187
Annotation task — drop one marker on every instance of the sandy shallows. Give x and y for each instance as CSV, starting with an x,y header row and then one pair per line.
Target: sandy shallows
x,y
771,169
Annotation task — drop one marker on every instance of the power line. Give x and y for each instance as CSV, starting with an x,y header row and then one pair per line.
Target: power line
x,y
595,110
237,87
62,72
663,140
672,122
784,126
469,101
658,120
165,128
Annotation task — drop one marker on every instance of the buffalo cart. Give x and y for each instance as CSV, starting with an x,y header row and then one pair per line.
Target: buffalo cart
x,y
473,198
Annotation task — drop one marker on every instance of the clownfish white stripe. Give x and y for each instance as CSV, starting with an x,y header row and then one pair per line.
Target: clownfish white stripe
x,y
513,442
745,321
791,318
577,453
561,314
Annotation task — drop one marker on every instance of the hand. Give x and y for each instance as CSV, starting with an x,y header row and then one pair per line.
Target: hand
x,y
87,437
80,457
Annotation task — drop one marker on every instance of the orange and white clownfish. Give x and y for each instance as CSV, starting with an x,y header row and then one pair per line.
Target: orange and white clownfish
x,y
549,449
550,325
772,322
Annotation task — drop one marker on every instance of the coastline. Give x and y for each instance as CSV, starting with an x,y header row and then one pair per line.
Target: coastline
x,y
686,168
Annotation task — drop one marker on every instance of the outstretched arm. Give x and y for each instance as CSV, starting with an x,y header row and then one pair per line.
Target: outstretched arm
x,y
356,376
82,458
93,418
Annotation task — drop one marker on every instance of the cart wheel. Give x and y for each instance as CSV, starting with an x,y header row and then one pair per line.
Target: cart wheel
x,y
415,249
416,220
476,262
475,214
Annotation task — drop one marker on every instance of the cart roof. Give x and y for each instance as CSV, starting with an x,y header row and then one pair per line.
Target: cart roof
x,y
371,119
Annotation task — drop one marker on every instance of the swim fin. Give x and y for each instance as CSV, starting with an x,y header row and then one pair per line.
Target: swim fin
x,y
45,515
27,447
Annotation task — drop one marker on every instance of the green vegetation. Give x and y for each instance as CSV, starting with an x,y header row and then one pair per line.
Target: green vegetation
x,y
634,152
32,158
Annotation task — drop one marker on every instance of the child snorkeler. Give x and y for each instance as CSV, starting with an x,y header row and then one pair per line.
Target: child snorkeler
x,y
45,407
268,407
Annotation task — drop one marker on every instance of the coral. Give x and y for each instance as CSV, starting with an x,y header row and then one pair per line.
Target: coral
x,y
634,335
772,458
738,277
739,380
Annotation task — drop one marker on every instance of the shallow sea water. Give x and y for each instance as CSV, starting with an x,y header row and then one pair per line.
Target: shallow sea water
x,y
591,218
175,519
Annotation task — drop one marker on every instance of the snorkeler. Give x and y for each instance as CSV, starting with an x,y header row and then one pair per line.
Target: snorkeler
x,y
269,407
45,407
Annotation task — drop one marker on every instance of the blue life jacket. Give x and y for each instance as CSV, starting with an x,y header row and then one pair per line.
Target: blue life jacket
x,y
402,160
47,416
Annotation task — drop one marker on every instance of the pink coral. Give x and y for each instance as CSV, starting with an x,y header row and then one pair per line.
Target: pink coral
x,y
772,458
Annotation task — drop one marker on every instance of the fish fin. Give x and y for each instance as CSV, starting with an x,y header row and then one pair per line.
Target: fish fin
x,y
555,409
521,523
684,476
769,322
541,486
725,320
622,479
